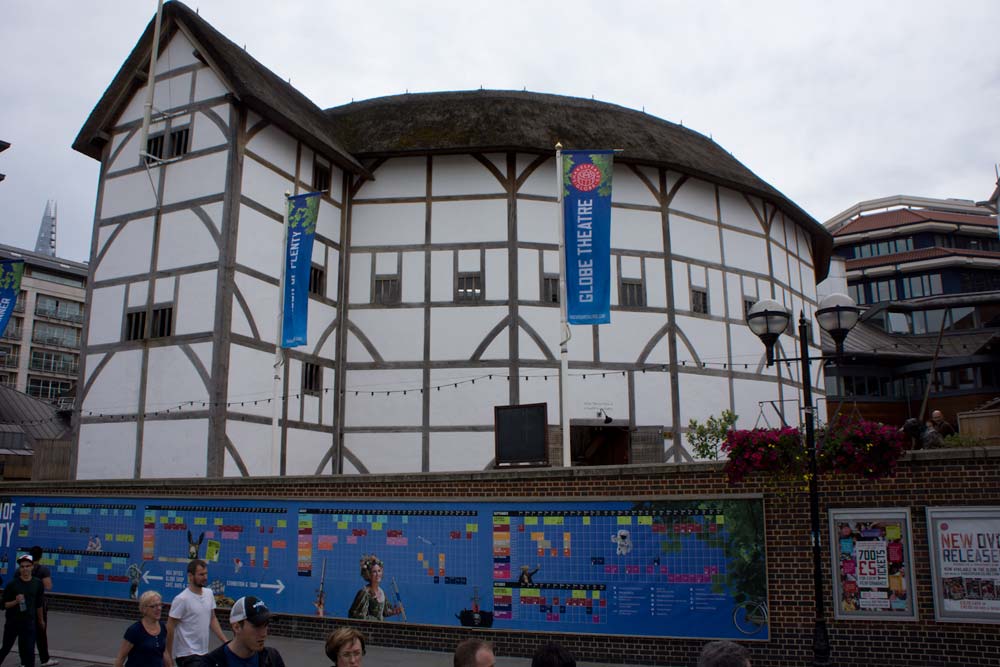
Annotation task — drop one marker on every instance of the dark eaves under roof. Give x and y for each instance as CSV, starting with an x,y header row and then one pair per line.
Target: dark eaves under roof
x,y
501,120
256,86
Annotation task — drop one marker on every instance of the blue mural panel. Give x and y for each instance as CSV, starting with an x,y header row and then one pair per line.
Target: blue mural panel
x,y
676,568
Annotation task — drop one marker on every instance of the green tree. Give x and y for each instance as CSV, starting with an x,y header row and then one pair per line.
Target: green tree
x,y
706,438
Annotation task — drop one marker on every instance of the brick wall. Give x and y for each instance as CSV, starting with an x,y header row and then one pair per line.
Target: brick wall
x,y
936,478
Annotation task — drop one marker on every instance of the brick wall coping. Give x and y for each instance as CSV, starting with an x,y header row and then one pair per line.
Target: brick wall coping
x,y
331,482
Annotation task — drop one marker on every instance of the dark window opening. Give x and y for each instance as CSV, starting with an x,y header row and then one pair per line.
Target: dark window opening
x,y
163,322
154,148
312,379
550,288
386,290
633,293
321,176
317,280
179,140
469,287
135,325
699,300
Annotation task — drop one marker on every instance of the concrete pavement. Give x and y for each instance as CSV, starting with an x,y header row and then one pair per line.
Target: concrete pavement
x,y
78,640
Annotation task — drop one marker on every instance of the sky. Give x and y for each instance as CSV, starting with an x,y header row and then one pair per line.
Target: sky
x,y
831,103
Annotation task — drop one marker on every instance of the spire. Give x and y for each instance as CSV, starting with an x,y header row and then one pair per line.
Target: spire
x,y
46,243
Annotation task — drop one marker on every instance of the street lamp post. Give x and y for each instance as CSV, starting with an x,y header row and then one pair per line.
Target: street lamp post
x,y
836,314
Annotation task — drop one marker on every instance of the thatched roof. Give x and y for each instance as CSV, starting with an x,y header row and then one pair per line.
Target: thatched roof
x,y
256,86
498,120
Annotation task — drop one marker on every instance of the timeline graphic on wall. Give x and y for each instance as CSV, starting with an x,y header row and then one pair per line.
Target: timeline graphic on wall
x,y
680,568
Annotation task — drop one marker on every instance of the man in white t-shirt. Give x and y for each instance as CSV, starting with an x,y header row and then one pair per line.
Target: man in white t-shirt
x,y
192,616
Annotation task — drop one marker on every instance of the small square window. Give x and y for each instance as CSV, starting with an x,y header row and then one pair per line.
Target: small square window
x,y
317,280
135,325
699,300
469,287
386,290
633,293
179,140
550,288
154,148
312,379
321,176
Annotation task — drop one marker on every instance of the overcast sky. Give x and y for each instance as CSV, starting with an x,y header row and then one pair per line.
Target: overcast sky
x,y
832,103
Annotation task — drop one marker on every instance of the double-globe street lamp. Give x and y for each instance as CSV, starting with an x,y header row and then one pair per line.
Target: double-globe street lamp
x,y
837,314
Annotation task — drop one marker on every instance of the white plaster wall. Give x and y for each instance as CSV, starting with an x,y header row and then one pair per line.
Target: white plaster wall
x,y
258,243
702,396
386,452
174,448
168,94
463,175
127,194
321,321
467,404
387,224
442,276
461,451
171,380
195,177
499,348
393,410
251,379
262,298
636,230
184,240
690,238
497,272
195,308
411,283
328,219
129,155
656,291
275,146
697,198
207,85
744,251
652,399
542,181
179,53
205,133
707,337
397,334
539,391
528,280
631,267
545,321
716,300
682,294
106,451
457,332
598,391
529,348
360,288
398,177
734,294
106,307
253,443
780,264
163,289
116,388
469,221
537,222
305,451
737,212
628,335
264,186
627,188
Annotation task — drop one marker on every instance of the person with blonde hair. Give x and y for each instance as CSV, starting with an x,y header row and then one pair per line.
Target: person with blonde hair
x,y
370,602
345,647
145,640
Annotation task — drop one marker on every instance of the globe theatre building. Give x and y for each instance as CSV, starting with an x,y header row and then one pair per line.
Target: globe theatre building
x,y
434,282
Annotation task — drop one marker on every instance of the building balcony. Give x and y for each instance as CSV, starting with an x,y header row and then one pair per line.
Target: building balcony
x,y
11,333
61,314
56,340
59,367
9,361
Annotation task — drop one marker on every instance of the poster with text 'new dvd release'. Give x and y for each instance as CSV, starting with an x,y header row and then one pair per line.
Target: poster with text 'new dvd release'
x,y
965,563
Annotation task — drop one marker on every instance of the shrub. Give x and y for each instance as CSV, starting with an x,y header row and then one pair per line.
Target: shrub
x,y
706,438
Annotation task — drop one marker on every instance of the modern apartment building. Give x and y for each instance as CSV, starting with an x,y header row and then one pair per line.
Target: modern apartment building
x,y
40,348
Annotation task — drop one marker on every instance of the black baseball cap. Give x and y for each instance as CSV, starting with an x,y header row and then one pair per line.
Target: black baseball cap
x,y
250,609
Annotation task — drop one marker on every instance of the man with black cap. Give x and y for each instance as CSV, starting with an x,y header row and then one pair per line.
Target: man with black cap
x,y
21,599
249,619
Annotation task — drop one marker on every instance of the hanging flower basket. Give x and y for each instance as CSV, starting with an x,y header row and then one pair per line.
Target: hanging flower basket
x,y
775,450
860,447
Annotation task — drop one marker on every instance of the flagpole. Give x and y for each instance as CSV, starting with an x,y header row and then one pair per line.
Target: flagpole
x,y
564,330
279,354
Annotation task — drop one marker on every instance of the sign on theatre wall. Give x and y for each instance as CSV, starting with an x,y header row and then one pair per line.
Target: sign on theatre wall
x,y
965,563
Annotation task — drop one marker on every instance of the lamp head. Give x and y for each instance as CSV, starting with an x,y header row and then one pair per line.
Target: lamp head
x,y
768,319
837,314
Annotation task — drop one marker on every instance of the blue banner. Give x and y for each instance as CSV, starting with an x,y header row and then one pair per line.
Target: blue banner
x,y
10,285
587,229
303,210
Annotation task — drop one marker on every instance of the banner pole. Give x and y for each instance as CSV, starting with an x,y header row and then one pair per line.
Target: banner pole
x,y
279,354
564,331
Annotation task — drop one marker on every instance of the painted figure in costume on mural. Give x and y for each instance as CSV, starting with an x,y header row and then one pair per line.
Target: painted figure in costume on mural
x,y
370,603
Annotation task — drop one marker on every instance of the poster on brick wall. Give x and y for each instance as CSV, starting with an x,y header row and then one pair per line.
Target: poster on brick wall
x,y
644,567
872,557
965,563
